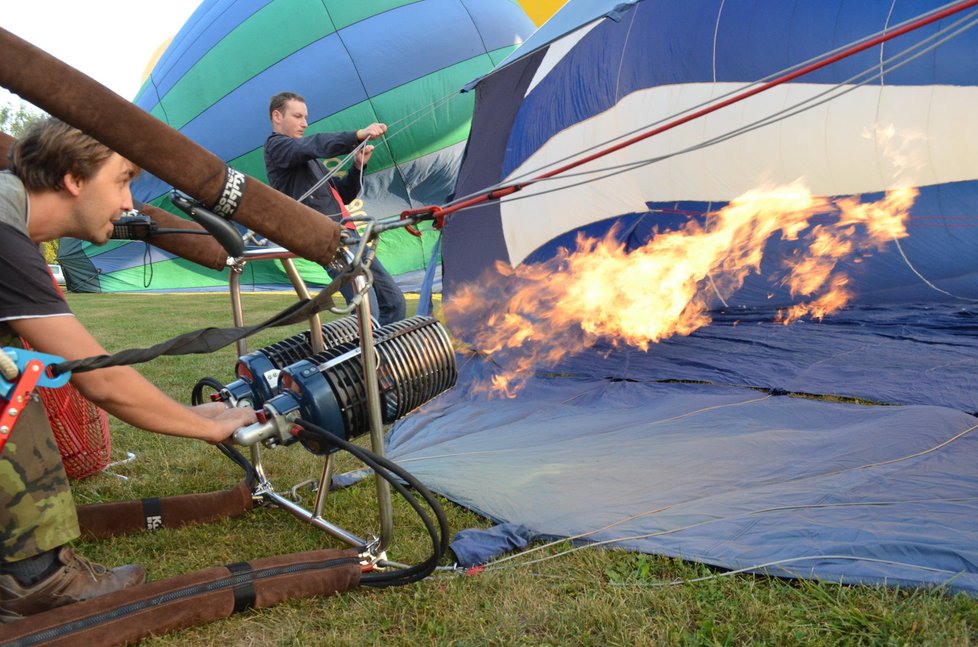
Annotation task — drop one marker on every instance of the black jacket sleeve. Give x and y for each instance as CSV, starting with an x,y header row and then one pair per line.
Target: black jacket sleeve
x,y
293,167
284,152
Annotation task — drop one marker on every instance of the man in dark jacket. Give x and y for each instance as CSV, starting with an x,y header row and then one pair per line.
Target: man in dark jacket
x,y
294,167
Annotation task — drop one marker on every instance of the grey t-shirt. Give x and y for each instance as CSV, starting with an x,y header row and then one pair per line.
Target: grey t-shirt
x,y
26,287
14,206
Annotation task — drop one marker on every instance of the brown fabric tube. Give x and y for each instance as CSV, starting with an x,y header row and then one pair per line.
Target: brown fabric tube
x,y
76,99
102,520
203,250
6,142
328,572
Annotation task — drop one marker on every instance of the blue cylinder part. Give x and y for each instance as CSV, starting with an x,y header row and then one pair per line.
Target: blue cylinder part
x,y
303,388
259,374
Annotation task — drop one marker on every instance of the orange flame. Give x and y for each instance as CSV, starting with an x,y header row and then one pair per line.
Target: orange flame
x,y
532,316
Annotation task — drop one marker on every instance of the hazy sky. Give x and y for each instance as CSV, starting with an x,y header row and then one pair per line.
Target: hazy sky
x,y
111,41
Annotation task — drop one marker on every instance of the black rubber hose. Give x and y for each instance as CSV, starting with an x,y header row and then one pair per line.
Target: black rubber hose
x,y
239,459
413,573
387,469
197,394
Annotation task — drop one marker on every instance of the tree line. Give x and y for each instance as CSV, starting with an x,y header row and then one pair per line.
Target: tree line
x,y
14,120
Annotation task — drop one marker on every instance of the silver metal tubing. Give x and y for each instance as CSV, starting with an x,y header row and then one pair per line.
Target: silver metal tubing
x,y
234,287
325,480
265,493
259,468
369,358
316,520
266,254
315,325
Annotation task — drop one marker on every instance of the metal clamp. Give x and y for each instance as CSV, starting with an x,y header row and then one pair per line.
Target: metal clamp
x,y
32,369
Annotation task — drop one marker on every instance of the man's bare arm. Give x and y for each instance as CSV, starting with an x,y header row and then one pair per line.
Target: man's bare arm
x,y
121,390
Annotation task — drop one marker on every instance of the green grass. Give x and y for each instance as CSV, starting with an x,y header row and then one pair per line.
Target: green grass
x,y
590,597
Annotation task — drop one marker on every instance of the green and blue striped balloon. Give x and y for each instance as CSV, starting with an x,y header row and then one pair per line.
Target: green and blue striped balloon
x,y
402,62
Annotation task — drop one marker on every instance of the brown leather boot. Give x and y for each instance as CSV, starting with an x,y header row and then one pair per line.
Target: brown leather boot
x,y
78,579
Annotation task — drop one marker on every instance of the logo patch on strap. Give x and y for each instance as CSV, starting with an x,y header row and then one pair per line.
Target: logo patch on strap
x,y
231,194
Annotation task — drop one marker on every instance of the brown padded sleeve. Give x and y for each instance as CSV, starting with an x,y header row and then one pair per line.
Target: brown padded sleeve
x,y
165,609
101,520
73,97
203,250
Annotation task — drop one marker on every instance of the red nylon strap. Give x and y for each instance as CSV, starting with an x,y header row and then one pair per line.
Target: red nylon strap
x,y
339,201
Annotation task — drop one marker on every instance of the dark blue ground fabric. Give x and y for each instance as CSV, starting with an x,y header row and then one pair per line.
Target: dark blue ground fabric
x,y
474,546
728,476
716,468
923,354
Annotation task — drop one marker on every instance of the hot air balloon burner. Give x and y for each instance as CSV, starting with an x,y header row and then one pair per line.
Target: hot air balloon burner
x,y
415,362
258,371
409,363
316,389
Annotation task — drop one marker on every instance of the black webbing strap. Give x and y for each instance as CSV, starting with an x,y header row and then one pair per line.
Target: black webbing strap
x,y
208,340
244,591
153,513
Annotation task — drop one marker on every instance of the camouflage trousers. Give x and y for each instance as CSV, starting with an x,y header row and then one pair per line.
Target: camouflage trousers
x,y
37,512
